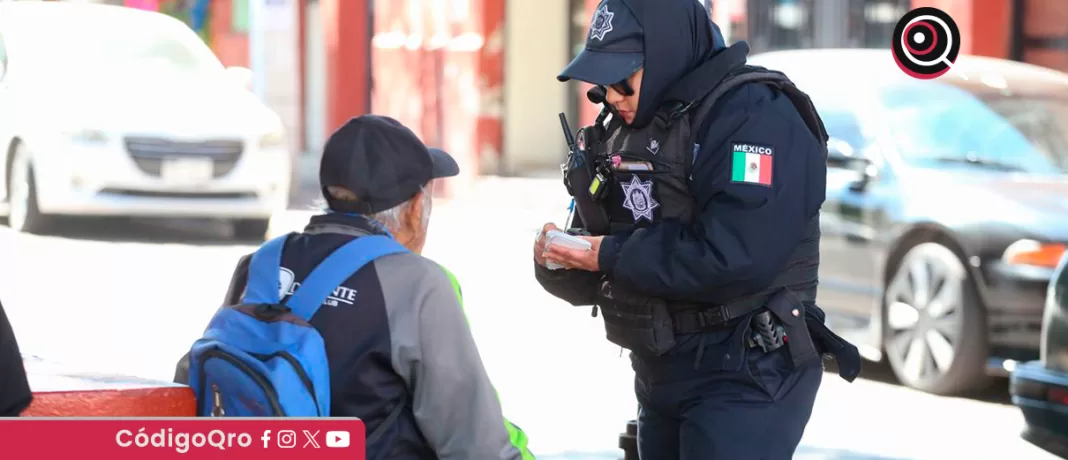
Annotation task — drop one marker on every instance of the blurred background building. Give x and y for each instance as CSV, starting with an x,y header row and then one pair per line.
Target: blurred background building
x,y
477,76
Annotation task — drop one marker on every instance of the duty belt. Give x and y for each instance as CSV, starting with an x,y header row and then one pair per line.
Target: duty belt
x,y
694,318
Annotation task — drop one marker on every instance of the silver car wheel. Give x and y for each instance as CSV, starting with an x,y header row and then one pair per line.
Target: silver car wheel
x,y
925,304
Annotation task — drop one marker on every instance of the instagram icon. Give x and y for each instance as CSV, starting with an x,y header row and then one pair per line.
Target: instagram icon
x,y
287,439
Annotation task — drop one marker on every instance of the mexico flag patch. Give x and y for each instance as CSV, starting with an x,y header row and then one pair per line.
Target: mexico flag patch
x,y
751,163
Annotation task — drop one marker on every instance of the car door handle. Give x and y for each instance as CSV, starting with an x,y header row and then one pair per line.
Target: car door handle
x,y
856,239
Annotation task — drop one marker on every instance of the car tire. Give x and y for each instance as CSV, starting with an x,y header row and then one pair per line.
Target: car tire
x,y
24,215
251,229
934,325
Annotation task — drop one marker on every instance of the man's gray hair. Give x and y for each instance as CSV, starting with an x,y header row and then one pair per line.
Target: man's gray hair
x,y
391,217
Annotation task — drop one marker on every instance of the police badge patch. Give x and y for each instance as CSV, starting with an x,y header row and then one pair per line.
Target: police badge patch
x,y
638,198
654,146
602,23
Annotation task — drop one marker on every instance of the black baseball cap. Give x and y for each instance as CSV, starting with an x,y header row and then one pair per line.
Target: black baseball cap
x,y
614,50
381,161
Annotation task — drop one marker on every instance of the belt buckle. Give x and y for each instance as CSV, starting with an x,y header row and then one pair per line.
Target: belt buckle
x,y
713,316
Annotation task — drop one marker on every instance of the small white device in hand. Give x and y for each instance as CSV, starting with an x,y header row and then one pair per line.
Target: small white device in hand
x,y
566,240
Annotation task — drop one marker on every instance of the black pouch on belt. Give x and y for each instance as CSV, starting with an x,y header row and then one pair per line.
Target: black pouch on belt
x,y
636,322
790,311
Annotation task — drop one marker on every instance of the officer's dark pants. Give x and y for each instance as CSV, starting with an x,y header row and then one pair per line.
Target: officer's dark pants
x,y
713,398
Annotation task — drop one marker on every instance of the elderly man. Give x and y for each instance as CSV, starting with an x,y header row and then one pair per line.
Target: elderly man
x,y
401,355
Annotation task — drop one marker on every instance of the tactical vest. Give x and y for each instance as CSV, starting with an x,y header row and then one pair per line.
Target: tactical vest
x,y
650,171
651,166
650,182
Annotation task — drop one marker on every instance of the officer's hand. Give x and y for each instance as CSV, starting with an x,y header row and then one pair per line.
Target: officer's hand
x,y
575,258
539,243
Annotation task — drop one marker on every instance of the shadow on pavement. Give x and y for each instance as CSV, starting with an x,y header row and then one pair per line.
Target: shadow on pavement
x,y
132,230
200,232
614,455
803,453
997,392
818,453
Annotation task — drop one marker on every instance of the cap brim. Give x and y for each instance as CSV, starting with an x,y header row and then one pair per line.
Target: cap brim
x,y
602,68
444,165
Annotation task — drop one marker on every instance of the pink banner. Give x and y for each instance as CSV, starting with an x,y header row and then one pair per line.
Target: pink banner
x,y
151,5
186,438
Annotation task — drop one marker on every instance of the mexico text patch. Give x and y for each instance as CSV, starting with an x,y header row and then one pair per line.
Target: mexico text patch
x,y
751,163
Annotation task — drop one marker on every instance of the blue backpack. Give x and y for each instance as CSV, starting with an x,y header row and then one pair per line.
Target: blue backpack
x,y
261,358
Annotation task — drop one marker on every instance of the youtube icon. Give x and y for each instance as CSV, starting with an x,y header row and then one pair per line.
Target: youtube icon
x,y
337,439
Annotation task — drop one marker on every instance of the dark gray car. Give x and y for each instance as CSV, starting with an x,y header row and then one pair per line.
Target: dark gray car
x,y
946,210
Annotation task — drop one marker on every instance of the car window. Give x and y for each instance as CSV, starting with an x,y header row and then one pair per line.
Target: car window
x,y
1044,122
135,46
843,125
938,125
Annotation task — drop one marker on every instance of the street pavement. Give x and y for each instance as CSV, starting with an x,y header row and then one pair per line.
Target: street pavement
x,y
130,297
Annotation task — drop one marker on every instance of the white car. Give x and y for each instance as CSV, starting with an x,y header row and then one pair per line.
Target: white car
x,y
112,111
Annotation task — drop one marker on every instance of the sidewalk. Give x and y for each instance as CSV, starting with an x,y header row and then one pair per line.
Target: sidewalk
x,y
305,193
491,204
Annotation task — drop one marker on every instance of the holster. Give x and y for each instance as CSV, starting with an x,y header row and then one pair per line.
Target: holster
x,y
790,312
639,323
809,339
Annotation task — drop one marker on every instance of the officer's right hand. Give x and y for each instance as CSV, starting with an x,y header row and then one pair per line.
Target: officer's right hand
x,y
539,243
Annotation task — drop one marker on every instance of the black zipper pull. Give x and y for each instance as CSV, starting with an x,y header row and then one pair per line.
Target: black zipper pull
x,y
593,312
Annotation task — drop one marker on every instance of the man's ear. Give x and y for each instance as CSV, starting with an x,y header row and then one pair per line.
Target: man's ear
x,y
414,218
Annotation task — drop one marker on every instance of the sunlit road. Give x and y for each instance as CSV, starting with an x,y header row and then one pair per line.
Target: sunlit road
x,y
131,297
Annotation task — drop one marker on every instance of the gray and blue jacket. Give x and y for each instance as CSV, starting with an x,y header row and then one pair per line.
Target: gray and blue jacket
x,y
396,334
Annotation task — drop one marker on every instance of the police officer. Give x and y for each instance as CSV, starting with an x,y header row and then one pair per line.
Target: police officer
x,y
706,269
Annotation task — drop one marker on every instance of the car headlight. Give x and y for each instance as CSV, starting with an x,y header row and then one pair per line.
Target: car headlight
x,y
272,140
87,136
1033,253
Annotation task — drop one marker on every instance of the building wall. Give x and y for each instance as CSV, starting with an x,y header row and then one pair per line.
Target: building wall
x,y
262,36
346,30
536,47
985,25
314,62
477,76
1043,35
437,66
587,112
1033,31
407,48
229,43
274,59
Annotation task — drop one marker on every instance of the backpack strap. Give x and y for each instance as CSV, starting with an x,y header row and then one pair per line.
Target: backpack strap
x,y
778,80
263,283
335,269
